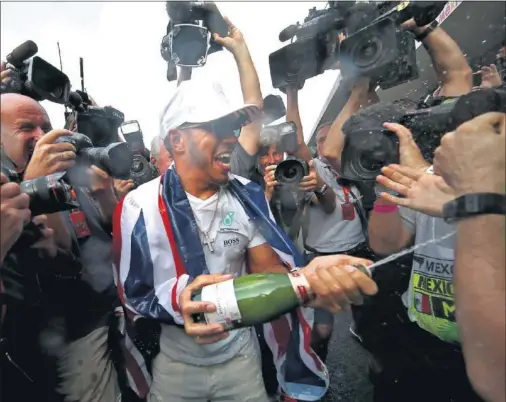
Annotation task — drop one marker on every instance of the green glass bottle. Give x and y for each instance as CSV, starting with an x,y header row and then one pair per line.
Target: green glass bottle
x,y
253,299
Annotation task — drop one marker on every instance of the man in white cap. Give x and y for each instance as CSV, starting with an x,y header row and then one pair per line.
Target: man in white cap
x,y
198,225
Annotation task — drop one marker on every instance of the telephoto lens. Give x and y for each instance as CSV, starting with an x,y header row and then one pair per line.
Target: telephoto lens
x,y
48,194
114,159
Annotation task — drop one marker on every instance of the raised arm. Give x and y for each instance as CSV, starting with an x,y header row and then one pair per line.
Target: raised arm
x,y
292,114
450,64
250,84
334,143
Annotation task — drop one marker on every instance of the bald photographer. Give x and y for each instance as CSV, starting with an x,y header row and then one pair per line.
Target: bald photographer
x,y
60,304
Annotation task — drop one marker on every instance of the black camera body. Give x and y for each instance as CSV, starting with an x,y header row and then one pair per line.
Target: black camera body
x,y
291,171
189,34
115,159
141,169
382,52
374,45
284,135
365,152
34,77
49,194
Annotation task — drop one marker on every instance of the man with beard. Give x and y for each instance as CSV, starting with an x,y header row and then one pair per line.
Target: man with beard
x,y
199,225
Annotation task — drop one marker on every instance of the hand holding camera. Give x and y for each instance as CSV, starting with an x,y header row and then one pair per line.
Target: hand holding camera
x,y
234,43
5,73
270,181
123,187
15,214
410,154
50,157
310,182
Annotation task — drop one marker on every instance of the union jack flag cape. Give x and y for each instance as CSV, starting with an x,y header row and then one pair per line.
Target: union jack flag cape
x,y
158,251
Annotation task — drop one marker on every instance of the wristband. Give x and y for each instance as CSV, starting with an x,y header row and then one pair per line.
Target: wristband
x,y
433,25
385,208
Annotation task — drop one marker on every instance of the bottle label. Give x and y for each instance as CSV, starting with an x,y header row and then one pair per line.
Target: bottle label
x,y
222,295
300,286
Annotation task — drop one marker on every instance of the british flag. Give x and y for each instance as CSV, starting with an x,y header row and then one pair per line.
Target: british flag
x,y
157,252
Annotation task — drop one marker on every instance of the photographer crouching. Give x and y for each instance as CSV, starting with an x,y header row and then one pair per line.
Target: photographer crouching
x,y
60,303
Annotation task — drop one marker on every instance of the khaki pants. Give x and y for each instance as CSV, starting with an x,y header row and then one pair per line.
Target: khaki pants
x,y
237,380
86,369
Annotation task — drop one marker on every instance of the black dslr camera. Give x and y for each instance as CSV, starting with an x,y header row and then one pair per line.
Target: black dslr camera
x,y
189,34
284,136
365,152
141,170
99,124
35,77
115,159
49,194
374,45
54,193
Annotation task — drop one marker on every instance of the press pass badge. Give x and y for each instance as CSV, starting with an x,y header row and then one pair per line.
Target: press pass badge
x,y
79,224
347,209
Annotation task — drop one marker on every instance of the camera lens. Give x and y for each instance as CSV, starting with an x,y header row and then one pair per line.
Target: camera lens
x,y
290,171
373,161
367,52
137,166
366,152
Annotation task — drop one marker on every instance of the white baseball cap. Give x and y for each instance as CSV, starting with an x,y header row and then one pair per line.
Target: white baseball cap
x,y
197,103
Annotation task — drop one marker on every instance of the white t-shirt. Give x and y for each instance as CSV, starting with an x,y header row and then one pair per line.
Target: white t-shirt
x,y
328,233
233,233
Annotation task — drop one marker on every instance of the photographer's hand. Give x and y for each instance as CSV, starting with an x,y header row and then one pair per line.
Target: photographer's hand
x,y
102,189
270,181
426,193
15,214
5,73
47,244
410,154
123,187
312,181
49,158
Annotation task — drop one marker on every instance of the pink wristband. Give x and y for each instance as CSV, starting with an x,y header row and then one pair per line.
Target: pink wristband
x,y
385,208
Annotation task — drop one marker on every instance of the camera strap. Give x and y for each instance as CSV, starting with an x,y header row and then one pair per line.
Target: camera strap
x,y
361,214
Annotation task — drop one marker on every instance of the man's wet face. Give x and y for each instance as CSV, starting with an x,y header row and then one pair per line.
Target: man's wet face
x,y
269,156
210,153
24,122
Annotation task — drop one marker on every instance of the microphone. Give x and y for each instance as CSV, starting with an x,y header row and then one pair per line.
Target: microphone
x,y
288,33
22,52
75,100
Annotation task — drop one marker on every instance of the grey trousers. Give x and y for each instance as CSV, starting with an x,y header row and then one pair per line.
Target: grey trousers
x,y
237,380
87,372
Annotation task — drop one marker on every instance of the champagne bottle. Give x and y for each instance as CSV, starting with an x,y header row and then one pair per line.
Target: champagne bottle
x,y
253,299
